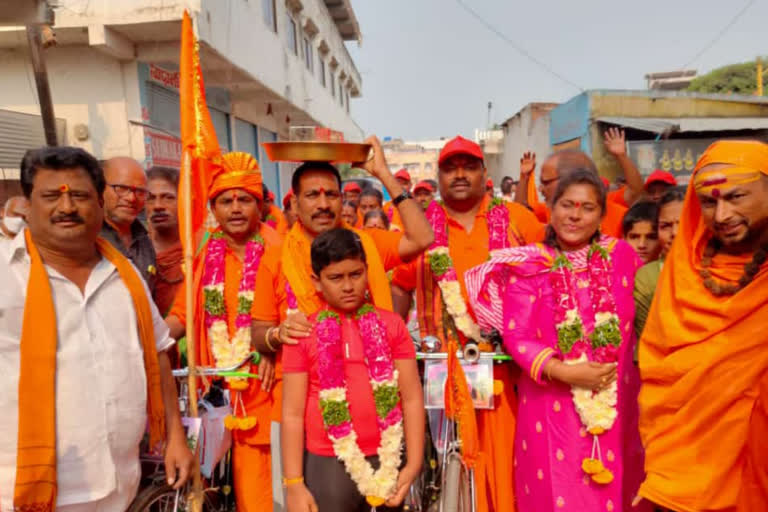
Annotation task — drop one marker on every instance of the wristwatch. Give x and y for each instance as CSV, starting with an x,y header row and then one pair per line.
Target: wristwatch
x,y
402,197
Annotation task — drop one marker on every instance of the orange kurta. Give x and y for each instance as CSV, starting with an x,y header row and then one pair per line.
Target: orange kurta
x,y
611,225
253,468
494,469
272,307
704,368
393,214
618,196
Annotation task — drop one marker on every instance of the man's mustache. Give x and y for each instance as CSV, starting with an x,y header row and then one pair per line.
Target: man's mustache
x,y
74,217
324,212
460,181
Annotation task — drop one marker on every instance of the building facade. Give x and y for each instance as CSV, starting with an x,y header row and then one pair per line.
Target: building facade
x,y
418,158
267,65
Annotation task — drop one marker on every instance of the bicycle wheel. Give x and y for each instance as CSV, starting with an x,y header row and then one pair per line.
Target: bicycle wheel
x,y
161,498
455,496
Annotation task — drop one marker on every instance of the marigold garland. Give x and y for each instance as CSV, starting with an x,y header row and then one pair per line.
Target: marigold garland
x,y
228,351
597,411
377,486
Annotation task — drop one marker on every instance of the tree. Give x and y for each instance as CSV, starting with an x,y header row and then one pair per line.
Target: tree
x,y
731,79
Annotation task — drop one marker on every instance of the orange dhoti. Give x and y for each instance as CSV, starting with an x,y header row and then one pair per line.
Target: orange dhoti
x,y
252,471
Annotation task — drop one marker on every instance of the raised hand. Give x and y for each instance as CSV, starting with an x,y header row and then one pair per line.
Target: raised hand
x,y
615,141
527,163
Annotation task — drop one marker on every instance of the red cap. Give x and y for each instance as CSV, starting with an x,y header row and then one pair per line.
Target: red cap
x,y
425,185
606,182
287,199
659,176
403,175
352,186
460,146
489,183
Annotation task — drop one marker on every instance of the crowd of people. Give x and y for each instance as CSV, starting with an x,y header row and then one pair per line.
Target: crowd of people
x,y
632,315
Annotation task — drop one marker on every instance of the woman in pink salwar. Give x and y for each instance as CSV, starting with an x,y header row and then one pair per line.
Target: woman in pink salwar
x,y
565,309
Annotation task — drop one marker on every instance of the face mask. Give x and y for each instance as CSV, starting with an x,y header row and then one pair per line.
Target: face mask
x,y
14,224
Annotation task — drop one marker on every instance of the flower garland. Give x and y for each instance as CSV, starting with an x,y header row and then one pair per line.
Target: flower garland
x,y
597,410
442,266
377,486
229,352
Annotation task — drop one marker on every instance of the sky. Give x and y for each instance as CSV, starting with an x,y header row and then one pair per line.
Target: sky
x,y
429,68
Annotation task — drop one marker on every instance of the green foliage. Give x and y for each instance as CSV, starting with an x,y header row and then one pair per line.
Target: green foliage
x,y
731,79
440,263
214,302
334,413
569,334
386,399
606,334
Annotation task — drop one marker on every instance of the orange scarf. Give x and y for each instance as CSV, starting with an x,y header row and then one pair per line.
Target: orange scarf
x,y
703,361
35,489
297,267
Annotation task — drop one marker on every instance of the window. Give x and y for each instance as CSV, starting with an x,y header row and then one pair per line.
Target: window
x,y
321,68
308,57
293,40
268,9
333,84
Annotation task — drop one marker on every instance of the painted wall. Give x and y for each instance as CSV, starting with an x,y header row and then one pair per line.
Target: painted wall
x,y
570,120
528,130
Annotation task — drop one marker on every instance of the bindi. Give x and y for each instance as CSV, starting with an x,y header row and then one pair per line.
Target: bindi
x,y
715,193
64,188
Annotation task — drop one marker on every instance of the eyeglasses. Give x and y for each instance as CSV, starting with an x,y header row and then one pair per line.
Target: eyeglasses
x,y
123,190
544,182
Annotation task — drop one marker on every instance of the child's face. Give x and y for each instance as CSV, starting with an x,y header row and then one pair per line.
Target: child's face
x,y
343,284
644,240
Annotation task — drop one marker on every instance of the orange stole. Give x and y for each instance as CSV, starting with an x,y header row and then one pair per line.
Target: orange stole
x,y
297,268
35,488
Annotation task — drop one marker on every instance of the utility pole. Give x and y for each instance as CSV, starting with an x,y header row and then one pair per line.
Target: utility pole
x,y
41,81
488,123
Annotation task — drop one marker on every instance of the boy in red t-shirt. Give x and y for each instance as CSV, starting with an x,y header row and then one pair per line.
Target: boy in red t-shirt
x,y
321,472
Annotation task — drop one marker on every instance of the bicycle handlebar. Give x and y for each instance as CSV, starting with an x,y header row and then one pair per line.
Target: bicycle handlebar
x,y
230,371
437,356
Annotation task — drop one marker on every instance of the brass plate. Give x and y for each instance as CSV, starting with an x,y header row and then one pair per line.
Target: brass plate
x,y
317,151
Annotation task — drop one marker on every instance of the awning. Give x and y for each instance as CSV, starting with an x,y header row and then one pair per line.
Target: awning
x,y
688,124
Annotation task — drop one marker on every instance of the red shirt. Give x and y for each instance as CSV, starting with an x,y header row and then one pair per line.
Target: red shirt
x,y
302,358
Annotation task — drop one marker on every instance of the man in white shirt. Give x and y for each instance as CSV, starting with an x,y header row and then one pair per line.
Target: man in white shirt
x,y
102,381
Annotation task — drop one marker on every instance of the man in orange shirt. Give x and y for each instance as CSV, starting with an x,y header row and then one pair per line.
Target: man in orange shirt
x,y
704,350
554,167
473,225
317,200
249,247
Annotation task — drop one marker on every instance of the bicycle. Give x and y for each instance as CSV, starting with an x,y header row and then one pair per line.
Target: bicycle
x,y
155,494
446,484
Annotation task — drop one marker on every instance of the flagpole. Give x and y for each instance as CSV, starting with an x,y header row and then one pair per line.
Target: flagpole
x,y
195,497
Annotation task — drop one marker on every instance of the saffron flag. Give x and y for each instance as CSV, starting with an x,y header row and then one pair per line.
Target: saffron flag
x,y
201,152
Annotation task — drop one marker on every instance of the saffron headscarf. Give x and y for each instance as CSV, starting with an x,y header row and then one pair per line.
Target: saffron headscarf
x,y
240,171
703,361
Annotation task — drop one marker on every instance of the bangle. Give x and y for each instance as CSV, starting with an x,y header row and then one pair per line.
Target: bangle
x,y
292,481
266,339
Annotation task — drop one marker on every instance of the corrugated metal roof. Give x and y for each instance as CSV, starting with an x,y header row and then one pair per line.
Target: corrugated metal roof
x,y
688,124
20,132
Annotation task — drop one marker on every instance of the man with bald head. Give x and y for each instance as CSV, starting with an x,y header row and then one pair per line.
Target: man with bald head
x,y
124,199
14,215
555,167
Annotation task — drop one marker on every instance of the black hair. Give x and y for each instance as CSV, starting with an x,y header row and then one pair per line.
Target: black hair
x,y
581,176
372,192
672,195
506,184
168,174
347,202
642,211
333,246
264,191
433,183
377,213
313,166
60,158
